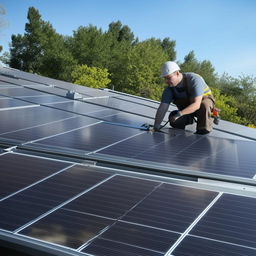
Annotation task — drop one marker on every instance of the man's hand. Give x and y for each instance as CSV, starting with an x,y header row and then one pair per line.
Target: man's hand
x,y
175,115
152,128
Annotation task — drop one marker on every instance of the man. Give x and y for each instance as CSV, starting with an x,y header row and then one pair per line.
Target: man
x,y
191,95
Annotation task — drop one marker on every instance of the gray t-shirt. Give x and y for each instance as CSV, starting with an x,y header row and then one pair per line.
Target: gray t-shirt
x,y
196,86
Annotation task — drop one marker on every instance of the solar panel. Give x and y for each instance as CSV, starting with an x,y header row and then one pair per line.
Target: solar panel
x,y
15,81
12,171
49,90
83,108
88,139
189,152
44,99
128,119
13,120
19,92
201,247
123,105
113,248
36,200
171,207
228,219
113,198
85,209
12,103
138,237
77,227
48,129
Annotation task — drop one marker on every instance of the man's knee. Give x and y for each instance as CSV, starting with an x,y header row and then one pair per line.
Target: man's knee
x,y
181,122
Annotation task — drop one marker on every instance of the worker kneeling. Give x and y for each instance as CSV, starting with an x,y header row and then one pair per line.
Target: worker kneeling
x,y
192,96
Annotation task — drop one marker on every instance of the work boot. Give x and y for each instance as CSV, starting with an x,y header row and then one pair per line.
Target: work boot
x,y
202,132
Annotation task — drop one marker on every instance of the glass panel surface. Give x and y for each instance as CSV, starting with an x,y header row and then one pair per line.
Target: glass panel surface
x,y
231,219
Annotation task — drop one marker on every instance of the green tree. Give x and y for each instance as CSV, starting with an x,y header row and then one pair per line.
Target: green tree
x,y
142,69
91,76
41,50
203,68
121,32
226,105
169,47
243,90
90,46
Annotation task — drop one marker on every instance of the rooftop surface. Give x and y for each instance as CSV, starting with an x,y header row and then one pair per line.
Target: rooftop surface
x,y
79,176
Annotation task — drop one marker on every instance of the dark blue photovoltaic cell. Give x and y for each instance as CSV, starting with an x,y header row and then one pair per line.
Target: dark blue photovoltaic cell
x,y
188,151
49,90
231,219
28,117
113,198
123,105
128,119
15,81
29,204
72,228
171,207
195,246
138,145
83,108
90,138
45,99
50,129
19,92
102,247
18,171
151,239
12,103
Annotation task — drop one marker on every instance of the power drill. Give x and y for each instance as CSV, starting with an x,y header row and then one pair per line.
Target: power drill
x,y
215,115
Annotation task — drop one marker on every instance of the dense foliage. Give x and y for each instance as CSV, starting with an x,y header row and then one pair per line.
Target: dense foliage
x,y
90,76
115,58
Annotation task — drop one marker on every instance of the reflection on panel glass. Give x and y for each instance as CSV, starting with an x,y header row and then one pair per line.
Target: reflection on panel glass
x,y
50,129
90,138
67,228
29,204
12,103
29,117
191,152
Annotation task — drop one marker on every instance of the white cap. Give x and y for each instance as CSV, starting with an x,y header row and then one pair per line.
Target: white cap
x,y
169,67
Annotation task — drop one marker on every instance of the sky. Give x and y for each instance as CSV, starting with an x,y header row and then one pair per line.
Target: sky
x,y
221,31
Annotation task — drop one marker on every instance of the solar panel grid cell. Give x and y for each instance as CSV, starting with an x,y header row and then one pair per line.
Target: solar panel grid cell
x,y
138,236
19,92
44,99
230,217
171,207
71,229
17,176
29,117
90,138
123,105
113,198
103,247
50,129
36,200
196,246
187,151
12,103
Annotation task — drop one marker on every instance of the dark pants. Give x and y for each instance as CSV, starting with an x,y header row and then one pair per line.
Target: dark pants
x,y
203,114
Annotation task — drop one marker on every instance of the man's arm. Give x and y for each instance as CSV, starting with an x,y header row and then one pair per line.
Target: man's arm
x,y
194,106
160,113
